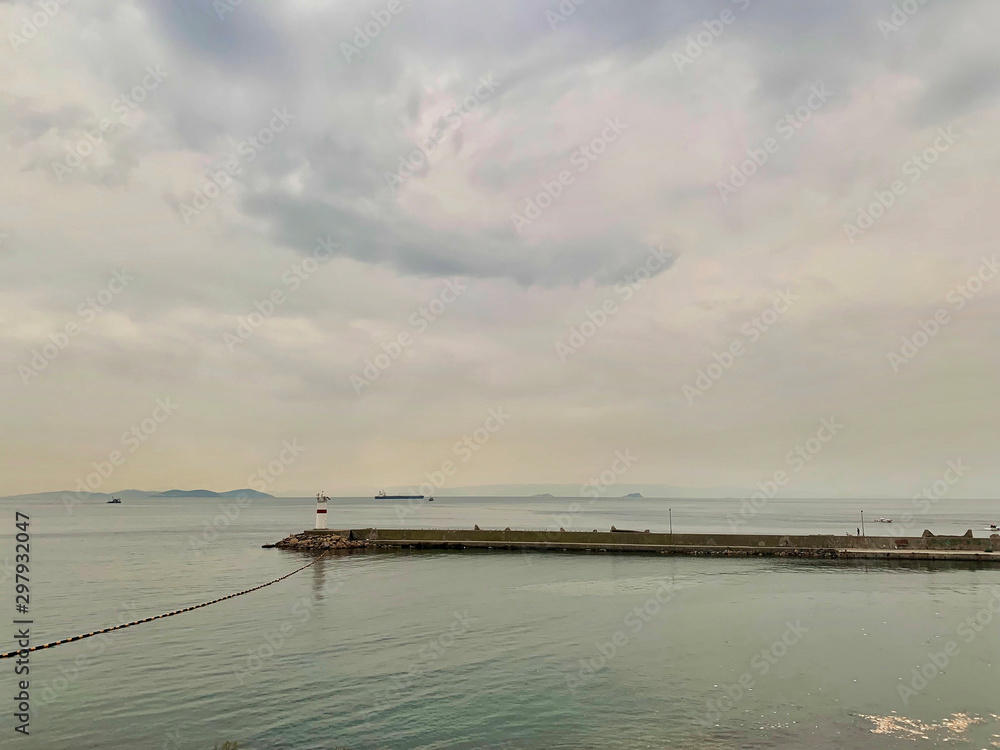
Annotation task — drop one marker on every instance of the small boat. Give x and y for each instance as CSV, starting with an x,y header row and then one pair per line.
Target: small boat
x,y
115,501
994,527
430,499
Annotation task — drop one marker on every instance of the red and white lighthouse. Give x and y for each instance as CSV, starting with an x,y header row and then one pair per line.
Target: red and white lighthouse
x,y
321,501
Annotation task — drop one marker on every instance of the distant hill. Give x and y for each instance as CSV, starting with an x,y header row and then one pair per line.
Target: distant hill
x,y
648,491
186,493
127,495
208,493
634,494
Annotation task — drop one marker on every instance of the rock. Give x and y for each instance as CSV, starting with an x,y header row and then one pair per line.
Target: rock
x,y
317,543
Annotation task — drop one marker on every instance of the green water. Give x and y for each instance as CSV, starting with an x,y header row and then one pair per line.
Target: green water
x,y
483,649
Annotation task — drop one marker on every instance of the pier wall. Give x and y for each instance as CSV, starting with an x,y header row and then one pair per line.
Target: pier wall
x,y
950,547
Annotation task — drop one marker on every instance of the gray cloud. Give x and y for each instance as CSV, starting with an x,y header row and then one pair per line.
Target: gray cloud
x,y
325,175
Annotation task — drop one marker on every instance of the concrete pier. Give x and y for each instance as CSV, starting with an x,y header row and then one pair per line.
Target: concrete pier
x,y
927,547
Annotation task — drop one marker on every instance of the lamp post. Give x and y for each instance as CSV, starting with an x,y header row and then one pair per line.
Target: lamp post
x,y
862,523
670,515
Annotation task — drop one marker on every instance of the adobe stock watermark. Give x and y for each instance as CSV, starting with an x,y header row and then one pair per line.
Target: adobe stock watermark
x,y
958,297
228,514
634,622
463,449
131,440
87,312
97,645
369,31
260,480
714,28
32,24
594,490
224,7
762,663
582,158
933,493
266,308
609,477
968,630
301,613
753,329
796,459
885,200
429,653
121,107
562,12
786,127
246,152
563,520
264,476
420,320
172,740
578,336
900,16
420,157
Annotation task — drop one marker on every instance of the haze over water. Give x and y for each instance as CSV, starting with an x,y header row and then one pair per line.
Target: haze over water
x,y
495,649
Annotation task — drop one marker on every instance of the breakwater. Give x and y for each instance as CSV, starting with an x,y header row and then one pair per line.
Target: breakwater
x,y
926,547
319,540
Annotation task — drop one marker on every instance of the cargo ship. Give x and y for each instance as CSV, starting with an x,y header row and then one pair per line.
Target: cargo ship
x,y
382,496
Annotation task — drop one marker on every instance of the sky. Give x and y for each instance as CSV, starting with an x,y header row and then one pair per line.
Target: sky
x,y
360,245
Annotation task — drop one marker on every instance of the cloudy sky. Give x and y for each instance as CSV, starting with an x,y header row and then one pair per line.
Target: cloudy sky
x,y
690,231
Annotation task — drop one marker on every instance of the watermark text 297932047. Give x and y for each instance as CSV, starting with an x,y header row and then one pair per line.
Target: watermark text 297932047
x,y
21,624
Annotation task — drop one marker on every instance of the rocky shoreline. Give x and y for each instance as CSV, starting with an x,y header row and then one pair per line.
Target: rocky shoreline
x,y
317,543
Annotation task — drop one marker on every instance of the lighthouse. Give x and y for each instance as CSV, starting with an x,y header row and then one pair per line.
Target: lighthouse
x,y
321,500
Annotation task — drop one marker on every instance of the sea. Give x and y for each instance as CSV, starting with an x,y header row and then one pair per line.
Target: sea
x,y
491,648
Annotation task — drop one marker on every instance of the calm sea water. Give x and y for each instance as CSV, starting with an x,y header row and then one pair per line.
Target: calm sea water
x,y
496,649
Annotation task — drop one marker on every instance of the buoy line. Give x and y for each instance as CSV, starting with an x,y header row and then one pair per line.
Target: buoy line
x,y
11,654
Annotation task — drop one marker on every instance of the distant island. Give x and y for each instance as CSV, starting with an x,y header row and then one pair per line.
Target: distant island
x,y
544,494
634,494
208,493
130,495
